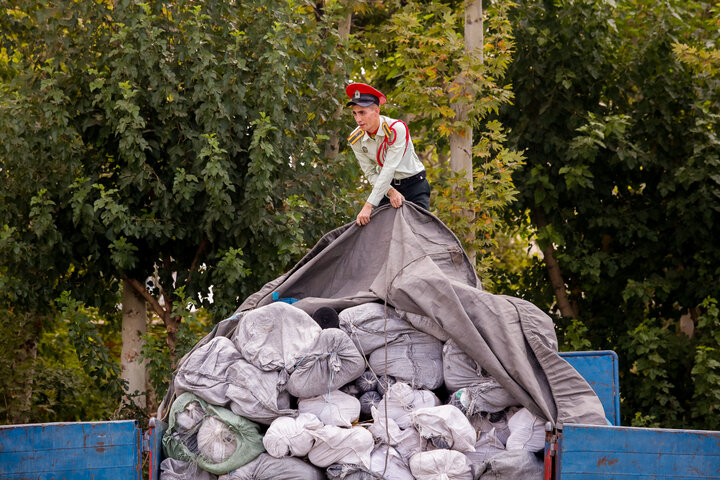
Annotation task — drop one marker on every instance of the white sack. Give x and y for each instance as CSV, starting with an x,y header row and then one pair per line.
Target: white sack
x,y
266,467
486,395
369,324
217,373
425,325
511,465
527,432
215,440
487,446
494,421
341,445
334,408
256,394
274,336
402,399
331,362
440,464
415,358
407,442
172,469
394,469
204,371
191,416
448,423
291,436
459,370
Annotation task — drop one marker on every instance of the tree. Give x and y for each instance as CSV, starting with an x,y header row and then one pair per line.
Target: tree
x,y
622,161
173,141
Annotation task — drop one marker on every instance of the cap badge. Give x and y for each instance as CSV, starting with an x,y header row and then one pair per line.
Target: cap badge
x,y
356,95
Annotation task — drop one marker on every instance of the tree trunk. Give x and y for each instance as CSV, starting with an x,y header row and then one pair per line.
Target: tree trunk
x,y
567,309
333,146
134,324
461,142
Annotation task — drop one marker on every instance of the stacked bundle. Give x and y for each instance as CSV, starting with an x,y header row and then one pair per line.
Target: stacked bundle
x,y
362,401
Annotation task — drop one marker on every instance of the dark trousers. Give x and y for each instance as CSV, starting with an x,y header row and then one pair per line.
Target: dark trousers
x,y
415,189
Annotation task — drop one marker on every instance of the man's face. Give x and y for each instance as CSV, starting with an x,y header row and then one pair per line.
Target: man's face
x,y
367,118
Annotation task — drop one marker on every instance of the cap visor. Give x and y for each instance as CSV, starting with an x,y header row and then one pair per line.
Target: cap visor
x,y
360,103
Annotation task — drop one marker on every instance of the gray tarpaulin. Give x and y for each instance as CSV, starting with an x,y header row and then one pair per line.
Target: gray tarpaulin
x,y
411,260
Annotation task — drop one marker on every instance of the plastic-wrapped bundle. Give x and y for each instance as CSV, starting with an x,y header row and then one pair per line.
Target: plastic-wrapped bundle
x,y
445,464
487,395
351,389
204,371
293,436
459,370
487,446
388,464
266,467
256,394
369,324
402,399
366,382
415,358
367,401
527,432
171,469
510,465
275,336
215,440
341,445
385,464
384,382
334,408
244,433
449,424
189,418
407,442
330,363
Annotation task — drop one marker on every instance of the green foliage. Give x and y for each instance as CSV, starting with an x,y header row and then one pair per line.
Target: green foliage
x,y
575,336
92,352
622,166
195,324
163,136
172,140
706,369
60,368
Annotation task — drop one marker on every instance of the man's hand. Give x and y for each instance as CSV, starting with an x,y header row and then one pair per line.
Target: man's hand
x,y
363,217
396,198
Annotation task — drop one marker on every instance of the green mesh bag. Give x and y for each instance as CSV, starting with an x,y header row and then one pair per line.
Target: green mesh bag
x,y
177,442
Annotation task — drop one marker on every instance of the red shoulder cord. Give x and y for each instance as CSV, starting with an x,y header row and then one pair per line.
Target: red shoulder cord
x,y
382,151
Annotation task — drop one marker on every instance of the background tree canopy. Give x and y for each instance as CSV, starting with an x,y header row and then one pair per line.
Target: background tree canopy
x,y
180,147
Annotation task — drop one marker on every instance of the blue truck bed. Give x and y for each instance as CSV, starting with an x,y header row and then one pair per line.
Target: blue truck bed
x,y
112,450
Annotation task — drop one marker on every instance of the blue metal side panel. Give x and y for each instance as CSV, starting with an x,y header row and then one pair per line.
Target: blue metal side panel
x,y
154,440
71,451
587,452
600,369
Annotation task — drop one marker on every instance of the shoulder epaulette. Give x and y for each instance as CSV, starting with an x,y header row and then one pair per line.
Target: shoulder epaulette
x,y
386,129
356,135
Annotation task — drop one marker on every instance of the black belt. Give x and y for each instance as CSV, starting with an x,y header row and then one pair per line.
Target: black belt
x,y
407,181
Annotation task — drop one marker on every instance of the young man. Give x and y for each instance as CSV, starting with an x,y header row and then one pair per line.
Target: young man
x,y
385,152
